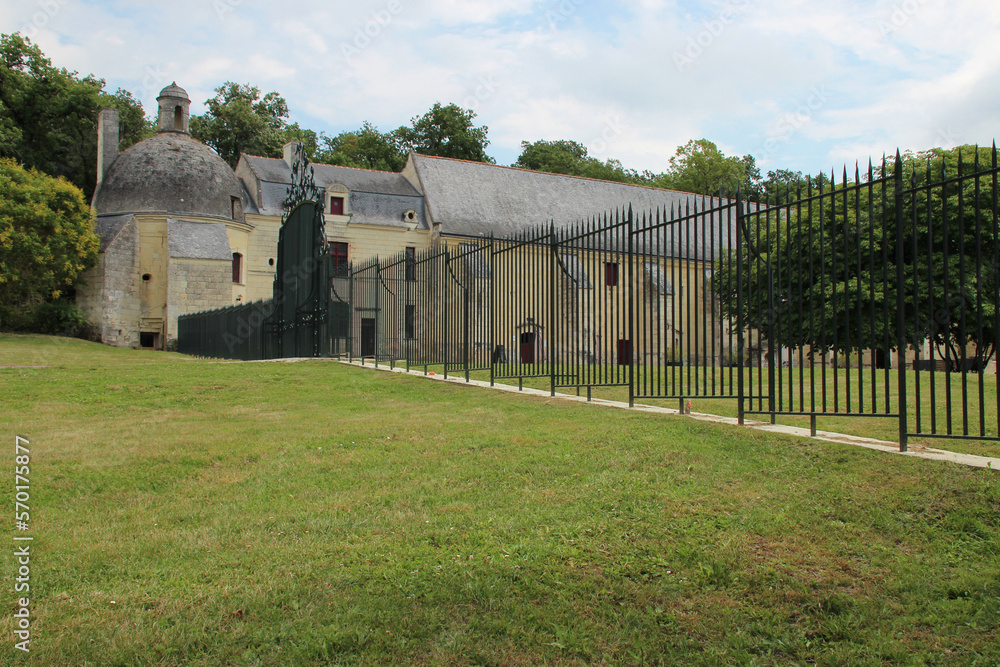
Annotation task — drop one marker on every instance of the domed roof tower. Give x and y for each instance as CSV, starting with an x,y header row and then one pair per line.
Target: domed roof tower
x,y
172,172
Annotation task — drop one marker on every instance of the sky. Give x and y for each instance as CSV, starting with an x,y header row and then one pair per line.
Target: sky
x,y
799,84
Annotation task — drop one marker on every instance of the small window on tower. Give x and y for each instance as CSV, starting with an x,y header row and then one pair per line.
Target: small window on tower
x,y
237,267
236,205
179,118
336,206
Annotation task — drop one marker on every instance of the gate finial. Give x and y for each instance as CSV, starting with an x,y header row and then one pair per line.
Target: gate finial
x,y
303,187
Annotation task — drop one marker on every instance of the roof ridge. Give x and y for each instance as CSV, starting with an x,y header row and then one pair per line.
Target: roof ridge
x,y
337,166
550,173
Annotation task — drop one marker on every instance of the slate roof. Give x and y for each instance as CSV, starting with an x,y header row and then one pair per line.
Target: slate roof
x,y
385,210
475,199
376,197
108,228
198,240
169,173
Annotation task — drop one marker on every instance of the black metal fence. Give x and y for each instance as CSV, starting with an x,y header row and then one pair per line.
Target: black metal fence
x,y
866,296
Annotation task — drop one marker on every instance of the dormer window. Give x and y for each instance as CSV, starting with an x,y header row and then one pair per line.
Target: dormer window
x,y
336,206
236,203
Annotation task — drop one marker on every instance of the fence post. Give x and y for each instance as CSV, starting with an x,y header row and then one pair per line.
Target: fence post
x,y
493,308
465,331
741,345
771,379
900,302
629,303
552,306
350,313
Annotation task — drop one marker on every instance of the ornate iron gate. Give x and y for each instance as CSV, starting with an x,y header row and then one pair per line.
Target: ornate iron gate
x,y
301,285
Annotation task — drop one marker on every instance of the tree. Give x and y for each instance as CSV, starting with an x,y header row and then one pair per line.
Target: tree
x,y
133,124
830,264
569,157
308,138
366,148
446,131
556,157
784,184
46,236
700,167
48,115
239,120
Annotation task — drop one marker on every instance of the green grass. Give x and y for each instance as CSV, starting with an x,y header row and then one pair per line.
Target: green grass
x,y
883,428
191,512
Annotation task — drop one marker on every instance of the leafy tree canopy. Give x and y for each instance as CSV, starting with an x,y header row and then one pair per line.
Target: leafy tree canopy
x,y
446,131
240,120
309,139
832,267
366,148
46,235
48,115
700,167
569,157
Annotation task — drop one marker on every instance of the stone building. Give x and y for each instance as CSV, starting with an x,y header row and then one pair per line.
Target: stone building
x,y
172,223
182,232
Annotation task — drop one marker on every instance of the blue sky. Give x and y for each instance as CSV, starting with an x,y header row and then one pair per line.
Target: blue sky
x,y
799,84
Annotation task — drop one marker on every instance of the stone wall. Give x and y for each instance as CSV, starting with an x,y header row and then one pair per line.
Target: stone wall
x,y
261,257
368,241
89,292
109,293
196,285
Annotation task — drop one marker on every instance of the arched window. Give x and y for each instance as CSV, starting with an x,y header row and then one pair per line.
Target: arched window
x,y
237,267
179,118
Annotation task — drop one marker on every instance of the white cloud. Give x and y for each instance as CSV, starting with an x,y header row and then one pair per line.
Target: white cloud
x,y
912,73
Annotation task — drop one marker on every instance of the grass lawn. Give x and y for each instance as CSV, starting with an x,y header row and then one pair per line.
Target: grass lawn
x,y
792,394
192,512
